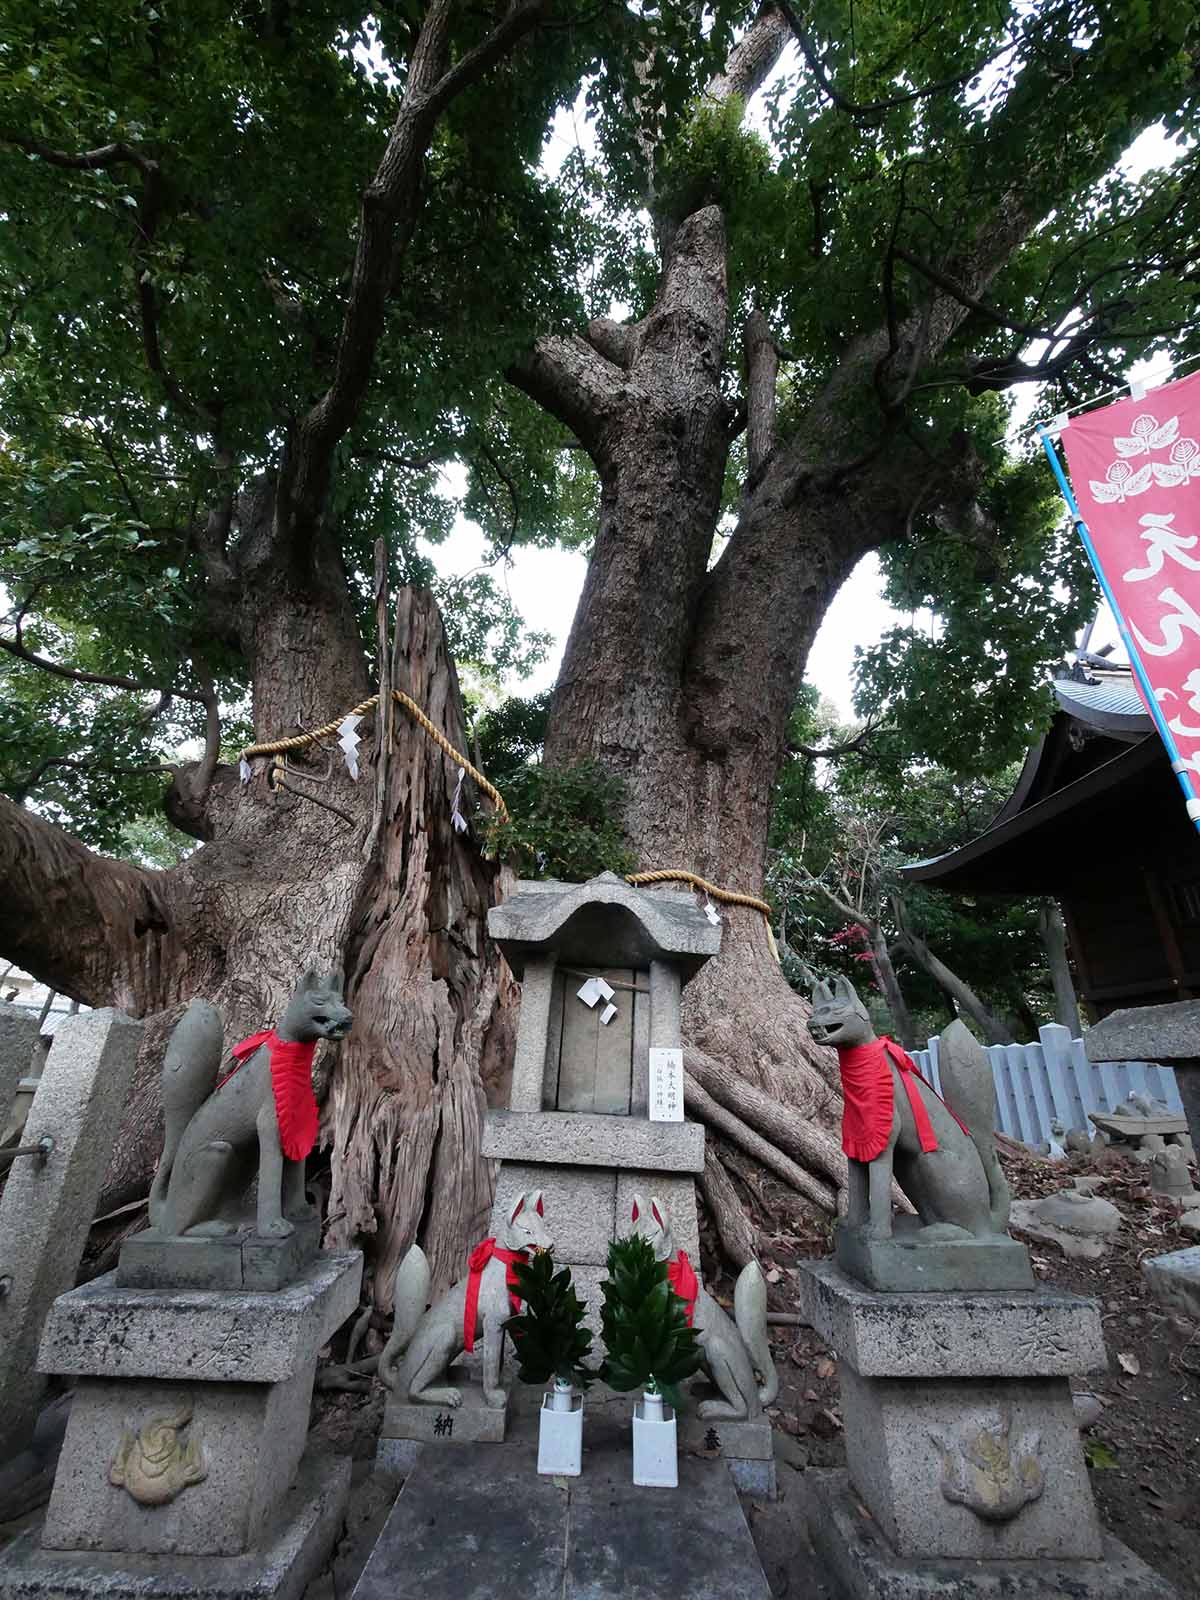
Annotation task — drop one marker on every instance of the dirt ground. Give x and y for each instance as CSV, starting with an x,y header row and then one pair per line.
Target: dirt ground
x,y
1144,1450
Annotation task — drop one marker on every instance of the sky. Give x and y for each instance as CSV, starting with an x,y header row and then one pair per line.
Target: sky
x,y
544,585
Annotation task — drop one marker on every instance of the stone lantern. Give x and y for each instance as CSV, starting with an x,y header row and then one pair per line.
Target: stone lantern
x,y
598,1064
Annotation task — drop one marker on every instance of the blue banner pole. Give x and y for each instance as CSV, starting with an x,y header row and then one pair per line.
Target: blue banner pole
x,y
1135,661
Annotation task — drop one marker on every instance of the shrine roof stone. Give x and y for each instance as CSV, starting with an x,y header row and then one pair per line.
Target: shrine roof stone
x,y
604,921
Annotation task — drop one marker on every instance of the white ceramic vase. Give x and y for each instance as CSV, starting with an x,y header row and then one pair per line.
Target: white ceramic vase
x,y
655,1451
560,1432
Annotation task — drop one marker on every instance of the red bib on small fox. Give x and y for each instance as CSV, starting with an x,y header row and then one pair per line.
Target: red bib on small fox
x,y
868,1099
476,1261
681,1275
291,1084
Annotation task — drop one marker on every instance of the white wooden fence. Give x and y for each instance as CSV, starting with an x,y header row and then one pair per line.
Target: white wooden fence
x,y
1053,1080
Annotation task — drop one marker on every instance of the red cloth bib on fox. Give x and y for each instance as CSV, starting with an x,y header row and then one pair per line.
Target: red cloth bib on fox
x,y
291,1084
476,1261
867,1093
681,1275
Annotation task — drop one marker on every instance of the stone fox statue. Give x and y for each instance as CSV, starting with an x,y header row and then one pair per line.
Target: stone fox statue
x,y
260,1113
941,1152
478,1304
732,1350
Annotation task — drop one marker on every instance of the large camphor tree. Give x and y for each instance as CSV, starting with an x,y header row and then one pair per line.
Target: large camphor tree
x,y
265,269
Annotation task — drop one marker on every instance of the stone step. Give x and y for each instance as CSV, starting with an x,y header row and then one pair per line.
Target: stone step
x,y
477,1522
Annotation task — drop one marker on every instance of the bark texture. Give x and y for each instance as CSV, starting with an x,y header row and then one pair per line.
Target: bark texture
x,y
280,878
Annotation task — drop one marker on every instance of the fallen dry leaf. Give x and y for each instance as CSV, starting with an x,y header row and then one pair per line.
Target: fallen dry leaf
x,y
826,1367
1129,1363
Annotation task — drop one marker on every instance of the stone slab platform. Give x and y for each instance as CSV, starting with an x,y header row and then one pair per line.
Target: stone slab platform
x,y
1040,1333
901,1264
585,1139
481,1523
243,1260
1174,1280
473,1422
101,1330
280,1569
863,1564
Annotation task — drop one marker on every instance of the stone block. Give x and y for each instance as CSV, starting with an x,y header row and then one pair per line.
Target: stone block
x,y
755,1478
250,1438
1147,1033
18,1039
101,1330
1174,1280
1035,1334
452,1536
47,1207
470,1423
863,1566
148,1261
291,1554
901,1264
587,1139
970,1470
397,1457
579,1203
745,1441
243,1260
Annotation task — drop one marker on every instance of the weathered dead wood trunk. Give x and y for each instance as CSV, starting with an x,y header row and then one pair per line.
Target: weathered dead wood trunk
x,y
282,877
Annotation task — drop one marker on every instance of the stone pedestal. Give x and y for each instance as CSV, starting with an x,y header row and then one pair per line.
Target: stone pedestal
x,y
240,1260
961,1439
186,1436
745,1447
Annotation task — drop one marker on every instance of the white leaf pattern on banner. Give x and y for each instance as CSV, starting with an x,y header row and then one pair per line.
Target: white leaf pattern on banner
x,y
1123,481
1183,466
1177,724
1147,436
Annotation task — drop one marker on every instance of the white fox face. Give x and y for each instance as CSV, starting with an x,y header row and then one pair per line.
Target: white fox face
x,y
653,1223
526,1229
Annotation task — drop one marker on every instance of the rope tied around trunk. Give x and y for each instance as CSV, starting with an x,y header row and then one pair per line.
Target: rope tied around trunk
x,y
714,891
280,747
277,747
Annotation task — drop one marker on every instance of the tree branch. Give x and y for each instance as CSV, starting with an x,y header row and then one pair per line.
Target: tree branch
x,y
875,108
752,60
387,219
73,919
15,647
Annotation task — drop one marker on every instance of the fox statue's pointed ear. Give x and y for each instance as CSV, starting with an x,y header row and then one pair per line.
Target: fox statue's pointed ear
x,y
821,993
638,1203
337,981
844,988
537,1203
517,1209
656,1213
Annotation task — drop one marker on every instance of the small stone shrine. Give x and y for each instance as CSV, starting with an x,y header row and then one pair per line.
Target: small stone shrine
x,y
183,1468
964,1468
596,1105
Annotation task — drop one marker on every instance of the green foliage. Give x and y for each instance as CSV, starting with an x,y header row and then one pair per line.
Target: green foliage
x,y
549,1336
565,822
643,1322
511,736
854,822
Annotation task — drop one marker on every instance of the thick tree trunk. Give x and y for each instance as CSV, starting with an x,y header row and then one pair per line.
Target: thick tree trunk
x,y
282,878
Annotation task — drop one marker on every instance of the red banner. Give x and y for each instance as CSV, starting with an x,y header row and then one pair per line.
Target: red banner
x,y
1135,467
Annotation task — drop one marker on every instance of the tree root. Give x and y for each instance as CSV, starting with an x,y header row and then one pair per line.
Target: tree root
x,y
702,1105
738,1241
